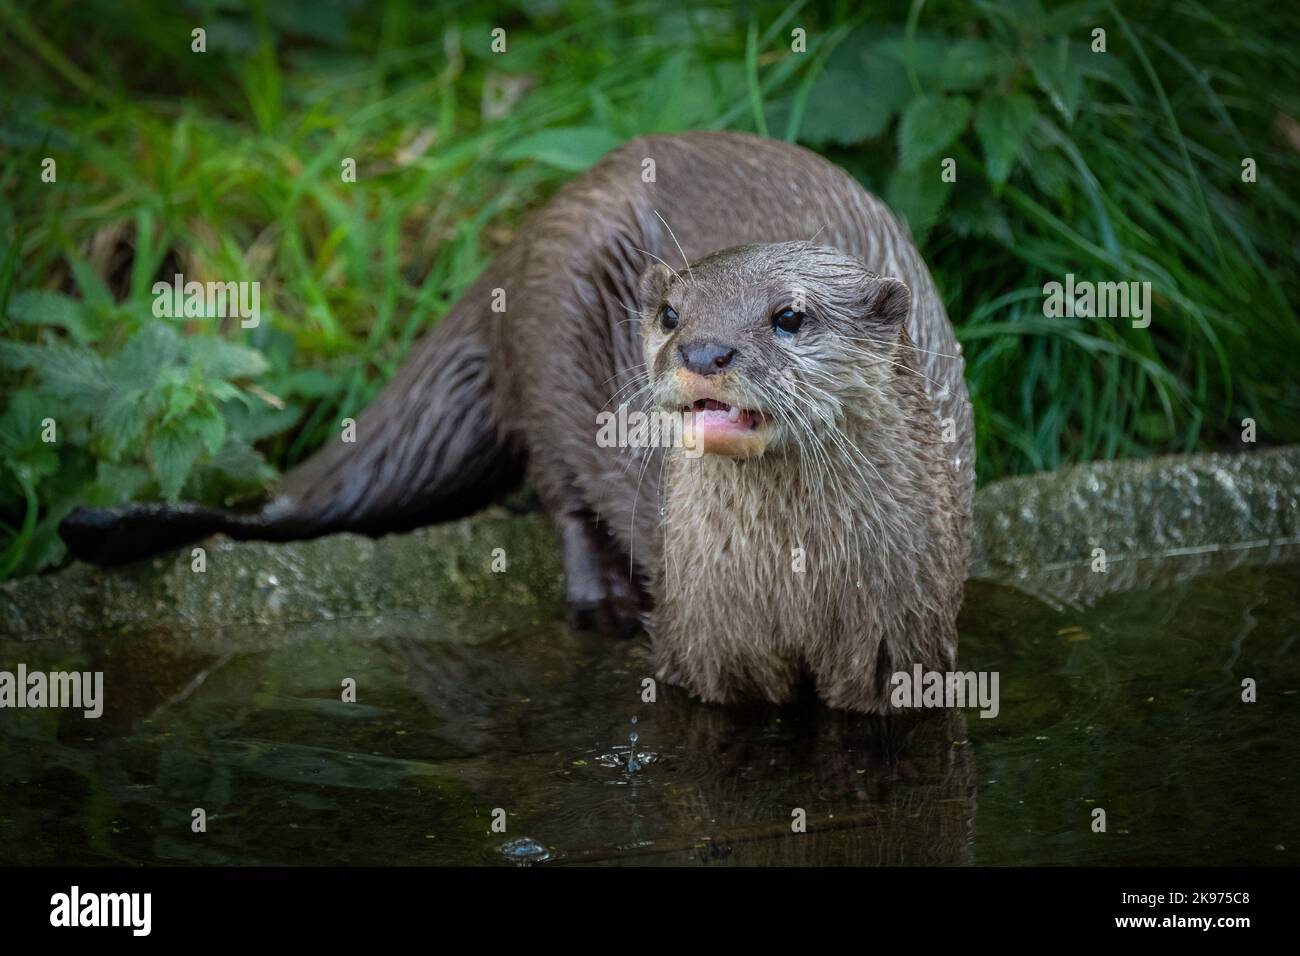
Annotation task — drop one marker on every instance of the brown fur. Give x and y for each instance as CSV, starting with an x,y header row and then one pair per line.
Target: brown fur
x,y
883,518
856,481
856,476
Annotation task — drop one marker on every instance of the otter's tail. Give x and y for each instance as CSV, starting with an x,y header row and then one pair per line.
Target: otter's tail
x,y
427,449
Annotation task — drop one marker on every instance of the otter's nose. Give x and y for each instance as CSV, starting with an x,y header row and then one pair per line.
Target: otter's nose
x,y
706,359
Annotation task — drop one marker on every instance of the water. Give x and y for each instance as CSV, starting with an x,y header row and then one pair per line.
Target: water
x,y
1133,706
633,765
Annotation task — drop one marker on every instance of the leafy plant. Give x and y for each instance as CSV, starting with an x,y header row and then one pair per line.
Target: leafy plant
x,y
163,415
1071,156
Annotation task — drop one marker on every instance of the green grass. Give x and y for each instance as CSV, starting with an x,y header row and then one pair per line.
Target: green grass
x,y
226,166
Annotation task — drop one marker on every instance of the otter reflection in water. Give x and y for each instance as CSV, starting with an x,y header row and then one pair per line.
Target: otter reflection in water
x,y
718,783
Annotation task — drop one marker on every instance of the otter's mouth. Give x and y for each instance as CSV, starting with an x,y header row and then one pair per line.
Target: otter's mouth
x,y
732,417
722,429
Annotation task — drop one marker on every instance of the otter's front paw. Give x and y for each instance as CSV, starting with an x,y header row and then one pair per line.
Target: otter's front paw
x,y
598,587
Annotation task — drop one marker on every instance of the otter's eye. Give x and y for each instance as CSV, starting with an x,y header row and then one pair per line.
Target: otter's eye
x,y
668,318
787,322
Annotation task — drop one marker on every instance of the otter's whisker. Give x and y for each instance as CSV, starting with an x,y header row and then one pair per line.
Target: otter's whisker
x,y
647,252
622,371
677,244
900,345
879,359
641,382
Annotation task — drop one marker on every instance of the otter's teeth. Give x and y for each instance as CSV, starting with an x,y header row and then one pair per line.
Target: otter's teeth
x,y
734,414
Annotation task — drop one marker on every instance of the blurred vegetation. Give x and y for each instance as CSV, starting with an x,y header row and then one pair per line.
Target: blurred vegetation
x,y
225,166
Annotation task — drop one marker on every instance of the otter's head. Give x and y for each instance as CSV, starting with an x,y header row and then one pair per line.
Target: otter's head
x,y
767,343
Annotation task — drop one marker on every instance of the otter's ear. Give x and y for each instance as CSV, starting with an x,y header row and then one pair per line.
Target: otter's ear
x,y
886,302
652,285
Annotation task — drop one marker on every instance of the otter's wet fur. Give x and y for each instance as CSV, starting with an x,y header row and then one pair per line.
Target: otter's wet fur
x,y
841,550
855,483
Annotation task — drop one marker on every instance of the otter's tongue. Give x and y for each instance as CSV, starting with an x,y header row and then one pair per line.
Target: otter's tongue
x,y
718,417
725,429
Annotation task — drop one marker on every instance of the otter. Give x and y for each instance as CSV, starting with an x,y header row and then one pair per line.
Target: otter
x,y
756,289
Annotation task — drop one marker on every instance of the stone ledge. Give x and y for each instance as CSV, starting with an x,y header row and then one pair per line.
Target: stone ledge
x,y
1175,515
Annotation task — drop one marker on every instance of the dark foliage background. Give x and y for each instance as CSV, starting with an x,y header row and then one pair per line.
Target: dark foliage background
x,y
225,166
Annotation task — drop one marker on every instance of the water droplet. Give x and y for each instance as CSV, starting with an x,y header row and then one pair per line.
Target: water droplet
x,y
525,850
633,765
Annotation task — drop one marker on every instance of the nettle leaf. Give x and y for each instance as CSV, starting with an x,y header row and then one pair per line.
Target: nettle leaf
x,y
46,547
1058,74
207,423
150,352
930,124
38,307
855,97
919,197
926,52
19,355
982,217
121,425
223,391
180,399
17,420
72,374
972,64
237,472
1106,69
21,444
221,359
1051,172
36,466
255,421
1001,123
174,449
115,484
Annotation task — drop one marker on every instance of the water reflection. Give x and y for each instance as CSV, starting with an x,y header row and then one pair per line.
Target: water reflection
x,y
1133,705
